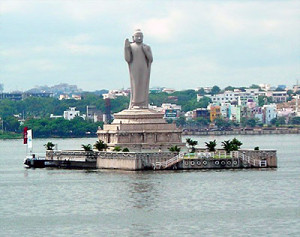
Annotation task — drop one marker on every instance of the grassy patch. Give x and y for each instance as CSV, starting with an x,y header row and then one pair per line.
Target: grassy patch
x,y
9,135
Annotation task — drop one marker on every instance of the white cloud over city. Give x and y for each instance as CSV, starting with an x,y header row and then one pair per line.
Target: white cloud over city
x,y
195,43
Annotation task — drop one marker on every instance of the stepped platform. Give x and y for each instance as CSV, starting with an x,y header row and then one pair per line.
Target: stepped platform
x,y
141,130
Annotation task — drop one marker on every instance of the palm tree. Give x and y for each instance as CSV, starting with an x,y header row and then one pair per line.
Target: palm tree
x,y
175,149
117,148
191,144
100,145
236,144
49,146
87,147
211,145
227,145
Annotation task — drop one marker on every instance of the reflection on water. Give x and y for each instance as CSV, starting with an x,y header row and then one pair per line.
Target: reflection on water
x,y
172,203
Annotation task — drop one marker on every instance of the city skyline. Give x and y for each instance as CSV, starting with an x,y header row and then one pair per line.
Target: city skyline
x,y
194,43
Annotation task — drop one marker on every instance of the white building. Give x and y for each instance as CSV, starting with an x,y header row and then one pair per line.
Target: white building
x,y
279,96
226,97
71,113
168,90
265,87
112,94
237,96
55,116
270,112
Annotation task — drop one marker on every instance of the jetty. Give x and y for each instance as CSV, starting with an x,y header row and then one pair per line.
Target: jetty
x,y
201,159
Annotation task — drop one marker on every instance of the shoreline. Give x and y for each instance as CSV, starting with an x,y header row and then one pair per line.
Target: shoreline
x,y
247,131
243,131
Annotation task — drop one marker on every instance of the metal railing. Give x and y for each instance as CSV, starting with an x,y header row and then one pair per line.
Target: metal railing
x,y
250,161
168,163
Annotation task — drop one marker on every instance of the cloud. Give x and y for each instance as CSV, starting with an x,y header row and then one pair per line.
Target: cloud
x,y
211,40
7,6
38,65
163,28
84,49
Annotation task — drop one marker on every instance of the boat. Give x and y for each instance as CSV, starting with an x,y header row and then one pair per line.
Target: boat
x,y
38,161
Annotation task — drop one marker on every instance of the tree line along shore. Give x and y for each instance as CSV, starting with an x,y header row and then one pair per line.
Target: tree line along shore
x,y
34,113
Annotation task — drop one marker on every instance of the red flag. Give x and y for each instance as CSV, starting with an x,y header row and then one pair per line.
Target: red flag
x,y
25,135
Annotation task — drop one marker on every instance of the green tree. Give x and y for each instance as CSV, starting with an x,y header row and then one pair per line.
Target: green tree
x,y
180,122
202,122
295,120
251,122
175,149
191,143
222,123
49,146
125,149
253,86
203,102
236,144
233,145
229,88
87,147
117,148
227,146
11,124
100,145
201,91
211,145
215,90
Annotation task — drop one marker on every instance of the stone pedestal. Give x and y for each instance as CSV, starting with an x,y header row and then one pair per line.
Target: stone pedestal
x,y
141,130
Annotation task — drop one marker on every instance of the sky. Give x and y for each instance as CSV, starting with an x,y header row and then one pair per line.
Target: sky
x,y
194,43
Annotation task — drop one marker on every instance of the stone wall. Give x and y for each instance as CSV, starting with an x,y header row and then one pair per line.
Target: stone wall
x,y
269,155
131,160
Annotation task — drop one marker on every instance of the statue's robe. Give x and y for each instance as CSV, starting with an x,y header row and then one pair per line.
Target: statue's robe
x,y
139,64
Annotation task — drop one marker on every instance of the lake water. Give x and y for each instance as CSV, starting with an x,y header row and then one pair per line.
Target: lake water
x,y
53,202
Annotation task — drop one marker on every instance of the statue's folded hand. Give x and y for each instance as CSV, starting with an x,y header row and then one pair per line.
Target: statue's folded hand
x,y
127,43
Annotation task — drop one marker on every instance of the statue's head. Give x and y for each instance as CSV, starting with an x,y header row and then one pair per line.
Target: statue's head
x,y
138,36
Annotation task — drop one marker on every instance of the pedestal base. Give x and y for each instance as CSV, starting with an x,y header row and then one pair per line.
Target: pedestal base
x,y
141,130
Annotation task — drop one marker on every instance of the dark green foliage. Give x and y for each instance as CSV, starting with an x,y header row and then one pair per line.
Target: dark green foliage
x,y
251,122
187,99
201,91
278,121
227,146
191,143
295,121
117,148
174,149
87,147
125,149
60,127
211,145
233,145
215,90
180,122
256,148
169,121
264,100
120,103
11,124
236,144
100,145
222,123
253,86
49,145
202,122
229,88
